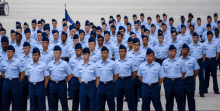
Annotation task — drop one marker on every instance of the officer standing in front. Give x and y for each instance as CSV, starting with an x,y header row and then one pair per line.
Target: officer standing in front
x,y
174,69
88,76
10,70
108,75
212,53
60,73
152,76
124,85
38,76
197,50
74,83
192,70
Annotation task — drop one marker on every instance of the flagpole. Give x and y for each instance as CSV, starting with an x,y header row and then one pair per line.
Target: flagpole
x,y
65,6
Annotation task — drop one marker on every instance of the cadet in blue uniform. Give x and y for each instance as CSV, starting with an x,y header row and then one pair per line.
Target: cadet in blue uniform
x,y
94,53
74,83
212,53
18,45
25,58
10,70
108,75
38,76
64,46
192,70
3,56
197,50
60,73
124,84
174,69
152,76
88,75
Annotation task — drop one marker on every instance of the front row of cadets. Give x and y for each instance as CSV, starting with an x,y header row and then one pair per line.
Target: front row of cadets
x,y
92,84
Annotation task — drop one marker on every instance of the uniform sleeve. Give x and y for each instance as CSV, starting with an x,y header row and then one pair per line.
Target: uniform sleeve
x,y
68,69
203,49
21,68
182,67
97,73
115,68
134,66
139,71
46,70
218,47
190,39
161,72
195,65
1,67
77,71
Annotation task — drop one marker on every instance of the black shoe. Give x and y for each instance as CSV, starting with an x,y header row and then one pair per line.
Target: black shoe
x,y
70,98
206,92
217,93
202,95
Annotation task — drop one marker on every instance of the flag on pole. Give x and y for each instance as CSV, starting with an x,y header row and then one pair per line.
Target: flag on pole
x,y
67,17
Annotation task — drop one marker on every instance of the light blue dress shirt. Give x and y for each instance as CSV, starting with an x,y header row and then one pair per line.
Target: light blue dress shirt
x,y
161,51
73,62
47,56
211,48
139,57
178,46
191,65
185,38
197,51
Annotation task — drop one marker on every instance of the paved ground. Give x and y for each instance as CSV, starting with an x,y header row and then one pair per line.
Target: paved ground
x,y
93,10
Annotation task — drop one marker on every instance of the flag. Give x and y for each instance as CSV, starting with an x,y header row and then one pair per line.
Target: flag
x,y
67,17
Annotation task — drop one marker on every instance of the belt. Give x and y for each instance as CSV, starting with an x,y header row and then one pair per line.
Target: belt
x,y
11,78
35,83
198,59
210,58
125,77
151,84
173,79
106,82
188,77
161,58
87,82
59,81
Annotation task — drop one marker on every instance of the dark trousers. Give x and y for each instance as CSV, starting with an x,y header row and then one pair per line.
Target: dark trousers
x,y
210,67
75,87
124,86
136,88
58,91
37,93
151,93
48,94
174,89
1,87
87,96
201,77
218,62
105,92
24,92
11,93
189,93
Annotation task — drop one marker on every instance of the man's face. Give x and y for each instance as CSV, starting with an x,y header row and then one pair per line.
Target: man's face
x,y
128,28
25,26
3,33
39,36
91,45
98,32
75,41
104,54
122,31
4,45
55,36
119,38
164,27
64,38
164,18
43,23
149,21
40,26
86,56
35,56
87,28
190,17
10,53
150,57
13,36
142,18
72,32
28,35
34,25
216,18
103,27
147,33
183,30
216,33
136,46
134,18
130,44
173,36
54,24
125,20
218,25
210,37
45,44
208,28
195,39
81,36
188,24
152,29
107,37
18,38
160,38
113,29
157,18
209,20
102,21
171,22
133,36
122,52
185,51
191,29
57,54
26,49
136,26
198,22
100,41
118,19
172,53
78,52
65,28
145,41
77,26
182,20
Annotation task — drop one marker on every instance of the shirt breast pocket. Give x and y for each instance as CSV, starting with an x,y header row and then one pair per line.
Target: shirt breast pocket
x,y
39,70
155,73
109,70
177,68
190,66
90,71
166,68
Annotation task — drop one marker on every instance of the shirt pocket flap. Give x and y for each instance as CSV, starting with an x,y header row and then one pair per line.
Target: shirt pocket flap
x,y
90,70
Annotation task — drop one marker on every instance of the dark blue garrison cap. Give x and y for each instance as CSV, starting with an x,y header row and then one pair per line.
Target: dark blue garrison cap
x,y
164,14
18,27
183,26
93,26
157,15
182,16
2,29
10,47
172,47
77,22
76,36
104,48
42,20
81,31
143,36
46,27
146,30
185,46
160,31
54,20
128,24
27,30
171,19
134,15
86,50
36,50
45,39
12,31
143,27
64,24
87,24
18,23
215,14
64,19
199,18
106,32
78,46
190,15
122,47
130,39
208,25
160,21
164,24
121,27
98,28
125,17
44,34
54,31
209,33
39,22
104,23
100,36
4,39
38,31
92,33
57,48
26,44
34,21
118,15
149,18
160,34
131,33
152,25
119,33
216,29
173,31
91,39
111,16
63,33
209,17
17,33
25,23
113,26
149,51
135,40
195,34
141,14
